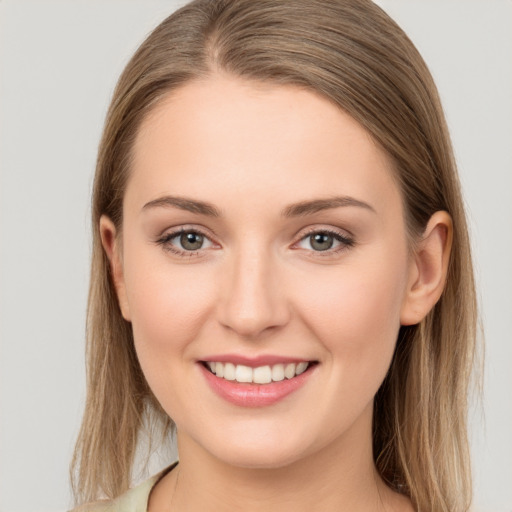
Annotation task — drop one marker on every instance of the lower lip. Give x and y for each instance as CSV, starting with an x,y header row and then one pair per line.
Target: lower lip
x,y
254,395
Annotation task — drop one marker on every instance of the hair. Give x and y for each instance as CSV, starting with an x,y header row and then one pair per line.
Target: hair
x,y
353,54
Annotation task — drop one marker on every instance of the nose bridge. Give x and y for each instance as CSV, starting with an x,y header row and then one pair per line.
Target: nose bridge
x,y
253,301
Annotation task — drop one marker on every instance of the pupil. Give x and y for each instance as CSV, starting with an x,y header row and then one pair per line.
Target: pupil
x,y
321,241
191,241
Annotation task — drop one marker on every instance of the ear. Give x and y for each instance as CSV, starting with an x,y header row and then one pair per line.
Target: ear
x,y
428,269
111,246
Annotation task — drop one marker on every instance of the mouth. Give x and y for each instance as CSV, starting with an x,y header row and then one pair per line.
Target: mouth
x,y
265,374
249,385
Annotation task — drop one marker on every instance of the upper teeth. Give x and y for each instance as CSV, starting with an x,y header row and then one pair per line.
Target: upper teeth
x,y
258,375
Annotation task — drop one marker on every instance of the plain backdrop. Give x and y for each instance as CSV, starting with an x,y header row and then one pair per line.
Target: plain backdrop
x,y
59,61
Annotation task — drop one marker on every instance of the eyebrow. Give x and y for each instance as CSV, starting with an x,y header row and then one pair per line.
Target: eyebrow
x,y
300,209
317,205
183,203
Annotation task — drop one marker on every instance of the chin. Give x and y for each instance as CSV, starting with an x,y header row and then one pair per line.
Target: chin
x,y
259,458
257,447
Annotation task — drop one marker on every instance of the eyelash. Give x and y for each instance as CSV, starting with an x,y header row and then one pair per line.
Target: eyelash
x,y
345,241
165,241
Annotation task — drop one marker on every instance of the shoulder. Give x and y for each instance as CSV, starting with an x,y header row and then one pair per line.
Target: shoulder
x,y
133,500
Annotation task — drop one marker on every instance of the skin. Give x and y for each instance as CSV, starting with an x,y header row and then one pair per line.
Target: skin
x,y
258,286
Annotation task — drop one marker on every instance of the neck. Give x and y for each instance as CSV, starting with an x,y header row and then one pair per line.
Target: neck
x,y
340,477
297,487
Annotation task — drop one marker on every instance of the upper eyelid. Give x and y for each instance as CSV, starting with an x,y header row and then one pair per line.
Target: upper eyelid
x,y
345,239
173,232
164,240
303,233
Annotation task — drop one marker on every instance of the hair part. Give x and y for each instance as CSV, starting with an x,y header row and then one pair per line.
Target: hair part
x,y
353,54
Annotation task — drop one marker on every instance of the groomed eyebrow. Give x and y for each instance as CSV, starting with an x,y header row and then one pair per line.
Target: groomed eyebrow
x,y
317,205
300,209
183,203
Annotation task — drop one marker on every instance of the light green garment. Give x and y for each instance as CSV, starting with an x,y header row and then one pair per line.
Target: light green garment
x,y
133,500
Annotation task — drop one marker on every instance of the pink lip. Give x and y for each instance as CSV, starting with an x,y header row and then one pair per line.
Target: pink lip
x,y
253,362
254,395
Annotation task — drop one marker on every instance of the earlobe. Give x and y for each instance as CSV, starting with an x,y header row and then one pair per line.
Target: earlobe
x,y
110,242
428,269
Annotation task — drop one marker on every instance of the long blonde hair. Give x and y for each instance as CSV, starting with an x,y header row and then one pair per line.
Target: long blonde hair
x,y
352,53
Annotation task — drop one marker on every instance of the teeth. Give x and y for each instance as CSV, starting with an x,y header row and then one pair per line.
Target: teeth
x,y
289,371
259,375
277,372
301,368
229,371
262,375
243,373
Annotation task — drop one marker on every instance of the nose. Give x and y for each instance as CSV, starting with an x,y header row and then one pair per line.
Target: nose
x,y
252,302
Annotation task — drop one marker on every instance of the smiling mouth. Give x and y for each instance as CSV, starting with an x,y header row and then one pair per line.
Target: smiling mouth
x,y
258,375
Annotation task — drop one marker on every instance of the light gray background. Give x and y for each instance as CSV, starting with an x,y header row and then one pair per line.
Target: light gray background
x,y
59,63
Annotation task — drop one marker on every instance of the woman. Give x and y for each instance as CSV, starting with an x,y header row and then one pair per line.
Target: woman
x,y
281,265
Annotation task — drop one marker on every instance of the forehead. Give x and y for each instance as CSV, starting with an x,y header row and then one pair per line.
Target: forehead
x,y
225,138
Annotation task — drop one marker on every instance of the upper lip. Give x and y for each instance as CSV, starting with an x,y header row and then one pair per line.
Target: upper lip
x,y
254,361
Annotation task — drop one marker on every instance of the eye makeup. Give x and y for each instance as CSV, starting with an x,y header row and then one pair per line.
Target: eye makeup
x,y
189,242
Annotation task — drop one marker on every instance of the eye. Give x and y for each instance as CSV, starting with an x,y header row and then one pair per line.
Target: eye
x,y
190,241
325,240
185,241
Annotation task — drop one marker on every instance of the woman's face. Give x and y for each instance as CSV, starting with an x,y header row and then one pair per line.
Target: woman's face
x,y
262,229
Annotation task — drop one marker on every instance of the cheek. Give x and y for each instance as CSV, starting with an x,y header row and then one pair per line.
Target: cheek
x,y
168,305
168,309
355,312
